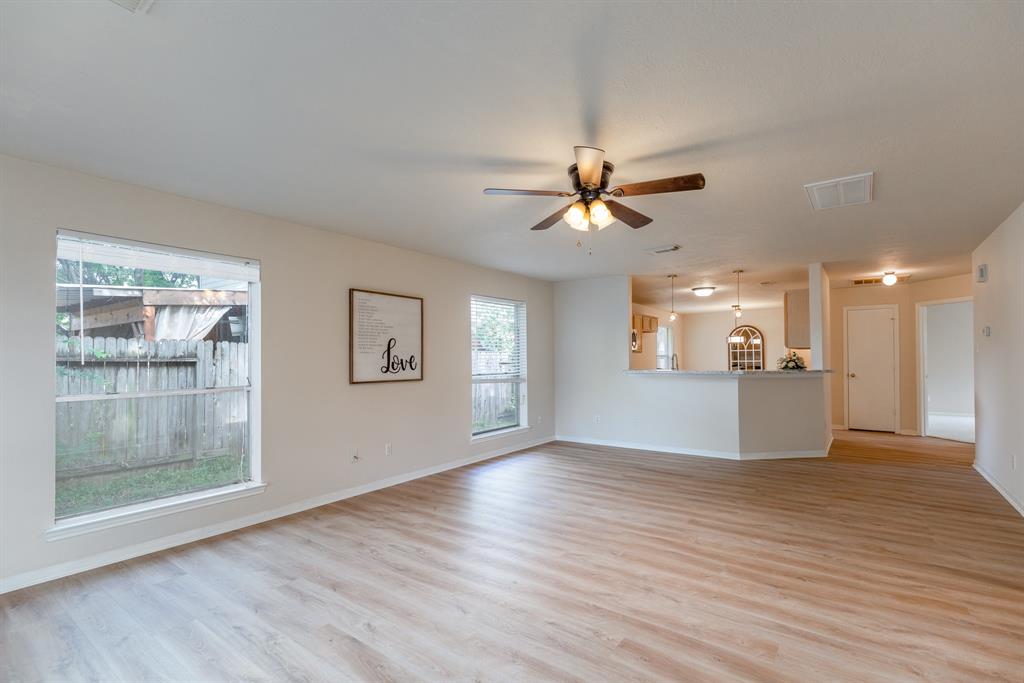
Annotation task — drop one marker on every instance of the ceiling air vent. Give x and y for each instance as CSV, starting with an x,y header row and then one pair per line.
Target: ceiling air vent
x,y
667,249
876,280
135,6
829,194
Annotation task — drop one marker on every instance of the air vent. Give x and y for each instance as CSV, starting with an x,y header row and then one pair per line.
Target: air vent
x,y
667,249
876,280
829,194
134,6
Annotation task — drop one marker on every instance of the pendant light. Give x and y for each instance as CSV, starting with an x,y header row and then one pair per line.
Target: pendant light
x,y
672,315
737,309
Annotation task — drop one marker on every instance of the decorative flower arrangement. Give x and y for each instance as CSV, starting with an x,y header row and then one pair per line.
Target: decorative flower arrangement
x,y
791,361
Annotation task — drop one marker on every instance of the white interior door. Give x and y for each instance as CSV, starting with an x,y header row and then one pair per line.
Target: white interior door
x,y
871,368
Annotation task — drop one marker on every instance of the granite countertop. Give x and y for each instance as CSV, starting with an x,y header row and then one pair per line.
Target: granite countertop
x,y
732,373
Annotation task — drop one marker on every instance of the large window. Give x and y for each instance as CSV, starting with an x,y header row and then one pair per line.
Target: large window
x,y
153,372
499,364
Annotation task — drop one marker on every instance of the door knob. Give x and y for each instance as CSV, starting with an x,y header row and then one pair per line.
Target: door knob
x,y
853,374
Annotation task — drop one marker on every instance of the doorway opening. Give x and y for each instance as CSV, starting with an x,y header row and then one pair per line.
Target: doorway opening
x,y
946,373
871,350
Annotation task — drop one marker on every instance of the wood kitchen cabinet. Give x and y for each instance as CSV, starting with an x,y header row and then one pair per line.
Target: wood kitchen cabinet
x,y
639,326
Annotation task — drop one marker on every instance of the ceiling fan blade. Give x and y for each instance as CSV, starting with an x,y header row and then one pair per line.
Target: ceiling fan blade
x,y
533,193
682,183
589,163
633,219
552,219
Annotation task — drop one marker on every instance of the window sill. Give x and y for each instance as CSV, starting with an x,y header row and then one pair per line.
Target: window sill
x,y
129,514
498,433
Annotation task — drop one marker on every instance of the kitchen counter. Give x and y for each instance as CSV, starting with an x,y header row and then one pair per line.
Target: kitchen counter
x,y
716,413
776,374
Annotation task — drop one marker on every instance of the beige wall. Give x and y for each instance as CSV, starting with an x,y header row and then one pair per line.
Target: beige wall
x,y
702,337
311,417
999,359
905,296
647,359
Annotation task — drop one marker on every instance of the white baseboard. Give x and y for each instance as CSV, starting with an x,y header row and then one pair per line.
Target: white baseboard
x,y
703,453
841,428
1017,505
36,576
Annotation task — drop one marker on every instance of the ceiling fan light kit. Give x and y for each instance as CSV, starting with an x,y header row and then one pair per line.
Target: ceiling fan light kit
x,y
590,177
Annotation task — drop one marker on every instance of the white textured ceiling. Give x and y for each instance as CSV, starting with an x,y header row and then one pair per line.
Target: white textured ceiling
x,y
385,120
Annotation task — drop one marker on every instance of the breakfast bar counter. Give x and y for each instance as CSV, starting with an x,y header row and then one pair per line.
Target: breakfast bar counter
x,y
740,415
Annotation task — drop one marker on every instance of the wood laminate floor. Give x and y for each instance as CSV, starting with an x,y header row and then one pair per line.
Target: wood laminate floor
x,y
570,562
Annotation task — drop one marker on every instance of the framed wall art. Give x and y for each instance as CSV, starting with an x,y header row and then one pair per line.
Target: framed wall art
x,y
385,337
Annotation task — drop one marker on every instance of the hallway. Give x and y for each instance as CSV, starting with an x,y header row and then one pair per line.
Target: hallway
x,y
883,447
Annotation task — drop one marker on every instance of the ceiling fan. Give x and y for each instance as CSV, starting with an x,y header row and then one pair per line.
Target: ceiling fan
x,y
590,176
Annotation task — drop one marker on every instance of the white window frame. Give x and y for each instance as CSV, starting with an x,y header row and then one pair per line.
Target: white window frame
x,y
521,379
89,522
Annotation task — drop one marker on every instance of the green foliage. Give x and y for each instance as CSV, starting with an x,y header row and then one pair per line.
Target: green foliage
x,y
84,374
495,329
101,274
102,492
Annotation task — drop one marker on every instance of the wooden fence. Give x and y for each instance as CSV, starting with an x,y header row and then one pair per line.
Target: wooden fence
x,y
100,435
495,405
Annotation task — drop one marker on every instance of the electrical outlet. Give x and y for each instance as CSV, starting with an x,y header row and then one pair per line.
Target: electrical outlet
x,y
540,419
387,449
597,419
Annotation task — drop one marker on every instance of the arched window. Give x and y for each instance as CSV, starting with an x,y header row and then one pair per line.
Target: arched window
x,y
746,348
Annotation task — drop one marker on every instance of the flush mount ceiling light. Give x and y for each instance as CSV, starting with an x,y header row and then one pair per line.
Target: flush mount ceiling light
x,y
889,279
703,291
672,315
590,177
